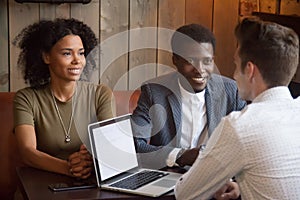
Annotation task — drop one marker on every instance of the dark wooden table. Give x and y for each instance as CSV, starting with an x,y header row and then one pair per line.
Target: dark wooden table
x,y
35,185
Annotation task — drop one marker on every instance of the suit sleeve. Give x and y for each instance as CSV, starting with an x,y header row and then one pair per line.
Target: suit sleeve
x,y
143,128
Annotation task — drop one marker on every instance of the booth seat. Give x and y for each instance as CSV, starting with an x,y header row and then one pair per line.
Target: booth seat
x,y
126,101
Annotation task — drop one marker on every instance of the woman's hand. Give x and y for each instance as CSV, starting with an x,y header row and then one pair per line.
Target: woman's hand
x,y
81,163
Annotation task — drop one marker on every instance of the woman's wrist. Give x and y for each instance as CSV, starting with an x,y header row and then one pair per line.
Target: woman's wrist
x,y
68,169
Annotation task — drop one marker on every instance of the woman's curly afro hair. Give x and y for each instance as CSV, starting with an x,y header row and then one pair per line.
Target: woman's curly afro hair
x,y
40,37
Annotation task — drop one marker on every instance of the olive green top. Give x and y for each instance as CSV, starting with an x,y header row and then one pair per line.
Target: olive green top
x,y
36,107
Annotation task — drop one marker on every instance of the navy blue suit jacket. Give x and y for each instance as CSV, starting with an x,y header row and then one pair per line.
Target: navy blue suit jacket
x,y
157,117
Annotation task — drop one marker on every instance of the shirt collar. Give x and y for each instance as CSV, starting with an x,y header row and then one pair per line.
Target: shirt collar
x,y
275,93
195,97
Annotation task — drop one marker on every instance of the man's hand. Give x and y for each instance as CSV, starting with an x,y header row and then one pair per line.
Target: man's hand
x,y
230,190
81,163
188,157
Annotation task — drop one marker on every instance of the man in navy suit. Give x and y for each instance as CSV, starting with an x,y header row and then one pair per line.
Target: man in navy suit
x,y
177,112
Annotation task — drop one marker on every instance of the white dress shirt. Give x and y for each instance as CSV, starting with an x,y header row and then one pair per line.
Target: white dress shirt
x,y
259,145
193,118
194,121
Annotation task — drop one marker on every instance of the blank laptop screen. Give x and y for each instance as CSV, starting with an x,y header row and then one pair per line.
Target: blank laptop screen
x,y
114,146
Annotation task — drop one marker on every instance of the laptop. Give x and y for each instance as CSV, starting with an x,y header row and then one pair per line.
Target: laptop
x,y
116,163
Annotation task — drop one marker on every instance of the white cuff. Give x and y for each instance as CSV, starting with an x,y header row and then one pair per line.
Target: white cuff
x,y
171,160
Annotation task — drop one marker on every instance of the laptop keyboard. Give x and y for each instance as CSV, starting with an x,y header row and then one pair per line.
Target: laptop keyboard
x,y
139,179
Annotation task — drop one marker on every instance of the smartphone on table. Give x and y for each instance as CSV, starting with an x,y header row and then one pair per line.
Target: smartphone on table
x,y
75,185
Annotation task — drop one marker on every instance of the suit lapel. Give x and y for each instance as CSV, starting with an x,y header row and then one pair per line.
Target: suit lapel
x,y
209,110
176,111
174,100
213,100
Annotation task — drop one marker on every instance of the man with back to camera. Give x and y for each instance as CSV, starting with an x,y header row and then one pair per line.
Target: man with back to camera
x,y
259,145
177,112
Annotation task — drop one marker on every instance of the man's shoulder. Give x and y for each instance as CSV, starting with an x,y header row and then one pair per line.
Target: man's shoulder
x,y
221,82
166,78
164,82
164,85
217,78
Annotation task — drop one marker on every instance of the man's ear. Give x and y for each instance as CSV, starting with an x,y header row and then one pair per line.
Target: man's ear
x,y
177,61
174,60
46,58
250,70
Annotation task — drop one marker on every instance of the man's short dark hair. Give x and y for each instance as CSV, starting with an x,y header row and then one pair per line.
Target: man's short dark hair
x,y
191,33
273,48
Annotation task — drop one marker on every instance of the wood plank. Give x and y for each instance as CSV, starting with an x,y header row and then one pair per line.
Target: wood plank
x,y
20,15
48,11
225,19
246,7
88,13
63,10
199,12
142,56
290,7
4,65
114,43
267,6
170,17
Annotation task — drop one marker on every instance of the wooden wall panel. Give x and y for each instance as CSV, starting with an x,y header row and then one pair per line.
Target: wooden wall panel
x,y
63,10
88,13
267,6
142,59
225,19
47,11
290,7
114,43
122,66
200,12
4,64
170,16
20,15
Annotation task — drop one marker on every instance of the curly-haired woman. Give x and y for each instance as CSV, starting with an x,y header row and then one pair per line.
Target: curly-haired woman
x,y
52,115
